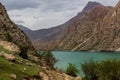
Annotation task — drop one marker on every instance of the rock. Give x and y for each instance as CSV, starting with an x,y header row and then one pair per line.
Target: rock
x,y
117,50
78,78
30,64
35,77
7,56
45,76
0,54
93,50
13,76
67,77
24,69
10,46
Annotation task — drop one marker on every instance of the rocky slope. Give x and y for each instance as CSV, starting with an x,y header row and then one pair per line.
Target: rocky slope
x,y
109,32
97,30
83,28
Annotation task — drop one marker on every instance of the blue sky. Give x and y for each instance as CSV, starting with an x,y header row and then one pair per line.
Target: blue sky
x,y
39,14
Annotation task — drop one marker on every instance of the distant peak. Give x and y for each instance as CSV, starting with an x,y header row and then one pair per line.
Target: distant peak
x,y
118,5
1,5
2,8
90,5
92,2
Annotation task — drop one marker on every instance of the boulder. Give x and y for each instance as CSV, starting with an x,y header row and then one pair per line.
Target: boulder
x,y
117,50
7,56
45,76
10,46
78,78
13,76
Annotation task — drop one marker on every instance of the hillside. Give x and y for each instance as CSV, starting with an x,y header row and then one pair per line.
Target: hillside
x,y
18,58
83,28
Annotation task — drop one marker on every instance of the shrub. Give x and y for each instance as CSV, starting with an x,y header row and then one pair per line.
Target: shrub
x,y
90,70
105,70
8,36
109,70
72,70
23,53
49,59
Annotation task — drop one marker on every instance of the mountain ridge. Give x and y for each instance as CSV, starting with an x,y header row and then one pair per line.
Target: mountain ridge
x,y
50,36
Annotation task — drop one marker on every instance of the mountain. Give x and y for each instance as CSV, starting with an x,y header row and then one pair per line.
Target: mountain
x,y
82,28
50,38
95,28
98,30
90,5
110,31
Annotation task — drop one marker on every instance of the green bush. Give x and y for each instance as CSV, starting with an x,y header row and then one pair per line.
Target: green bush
x,y
90,70
49,59
105,70
72,70
8,36
23,53
109,70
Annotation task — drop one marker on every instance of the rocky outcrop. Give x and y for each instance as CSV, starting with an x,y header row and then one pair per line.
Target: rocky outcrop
x,y
7,56
10,46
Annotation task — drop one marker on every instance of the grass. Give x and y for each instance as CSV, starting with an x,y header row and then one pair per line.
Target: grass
x,y
7,68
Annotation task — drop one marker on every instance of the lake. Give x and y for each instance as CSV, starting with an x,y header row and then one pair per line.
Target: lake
x,y
77,58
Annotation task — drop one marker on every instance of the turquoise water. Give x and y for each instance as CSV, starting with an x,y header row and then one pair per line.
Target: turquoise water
x,y
80,57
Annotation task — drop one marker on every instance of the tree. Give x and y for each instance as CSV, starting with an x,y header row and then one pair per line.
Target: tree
x,y
72,70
